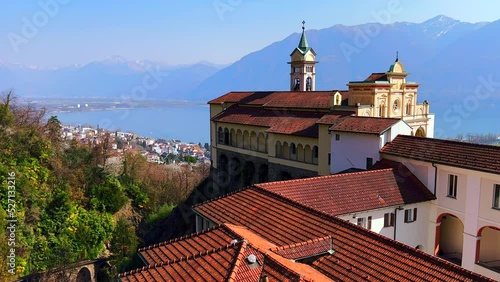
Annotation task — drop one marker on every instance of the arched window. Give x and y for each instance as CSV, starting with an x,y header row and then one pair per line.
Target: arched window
x,y
381,110
308,84
338,100
395,106
220,136
296,84
315,154
293,151
226,136
408,108
279,149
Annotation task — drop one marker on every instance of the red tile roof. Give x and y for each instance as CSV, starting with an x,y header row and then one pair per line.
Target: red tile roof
x,y
453,153
214,265
286,99
305,249
188,245
368,125
341,194
377,76
359,254
268,262
334,117
299,123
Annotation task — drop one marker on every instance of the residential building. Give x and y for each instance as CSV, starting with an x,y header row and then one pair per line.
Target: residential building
x,y
356,141
464,222
356,253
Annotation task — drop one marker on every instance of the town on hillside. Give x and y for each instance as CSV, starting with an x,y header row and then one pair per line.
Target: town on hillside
x,y
159,151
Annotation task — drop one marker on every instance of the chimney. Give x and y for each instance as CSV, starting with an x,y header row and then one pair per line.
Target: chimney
x,y
264,279
332,100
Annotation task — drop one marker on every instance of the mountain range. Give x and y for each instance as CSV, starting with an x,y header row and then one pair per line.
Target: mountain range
x,y
451,59
113,77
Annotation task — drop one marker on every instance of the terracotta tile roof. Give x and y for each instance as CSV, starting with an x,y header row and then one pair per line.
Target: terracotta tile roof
x,y
214,265
278,272
238,270
341,194
377,76
359,254
453,153
334,117
242,271
188,245
305,249
299,123
288,99
368,125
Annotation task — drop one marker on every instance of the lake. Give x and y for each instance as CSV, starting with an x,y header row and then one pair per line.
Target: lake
x,y
189,124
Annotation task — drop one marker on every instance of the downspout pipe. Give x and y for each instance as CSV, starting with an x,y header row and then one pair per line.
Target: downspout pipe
x,y
435,177
396,219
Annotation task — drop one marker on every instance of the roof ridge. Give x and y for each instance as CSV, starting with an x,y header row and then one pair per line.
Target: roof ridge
x,y
302,243
260,185
220,197
266,255
181,259
237,261
448,141
218,226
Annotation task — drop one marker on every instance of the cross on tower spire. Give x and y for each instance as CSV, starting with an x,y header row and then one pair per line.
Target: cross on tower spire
x,y
397,56
303,22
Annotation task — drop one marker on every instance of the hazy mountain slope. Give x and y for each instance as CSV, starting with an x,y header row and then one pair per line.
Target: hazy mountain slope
x,y
114,77
348,53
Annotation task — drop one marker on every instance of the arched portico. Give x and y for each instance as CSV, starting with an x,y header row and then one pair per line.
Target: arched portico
x,y
449,238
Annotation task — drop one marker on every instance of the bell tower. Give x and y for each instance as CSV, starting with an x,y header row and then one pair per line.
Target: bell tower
x,y
303,66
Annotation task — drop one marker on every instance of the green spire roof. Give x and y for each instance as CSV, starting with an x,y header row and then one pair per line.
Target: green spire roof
x,y
303,45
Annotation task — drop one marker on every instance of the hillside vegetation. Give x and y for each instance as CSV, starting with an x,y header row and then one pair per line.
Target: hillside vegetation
x,y
61,202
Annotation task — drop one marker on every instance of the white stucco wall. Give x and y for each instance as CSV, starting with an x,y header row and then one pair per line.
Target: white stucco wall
x,y
412,234
473,204
352,150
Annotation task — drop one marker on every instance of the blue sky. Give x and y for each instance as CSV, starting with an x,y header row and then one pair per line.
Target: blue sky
x,y
63,32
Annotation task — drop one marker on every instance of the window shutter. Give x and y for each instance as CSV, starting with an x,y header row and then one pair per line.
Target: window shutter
x,y
406,215
391,223
414,214
369,223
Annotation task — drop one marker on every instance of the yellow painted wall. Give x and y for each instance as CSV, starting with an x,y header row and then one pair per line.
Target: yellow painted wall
x,y
324,146
451,235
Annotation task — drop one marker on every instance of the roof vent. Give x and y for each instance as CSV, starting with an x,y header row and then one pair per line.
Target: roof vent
x,y
234,241
252,259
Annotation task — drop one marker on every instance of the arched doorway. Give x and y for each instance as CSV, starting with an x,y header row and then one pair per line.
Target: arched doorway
x,y
235,171
248,173
263,173
420,132
84,275
488,248
449,238
223,163
286,176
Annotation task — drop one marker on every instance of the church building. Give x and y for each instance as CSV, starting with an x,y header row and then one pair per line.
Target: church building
x,y
260,136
